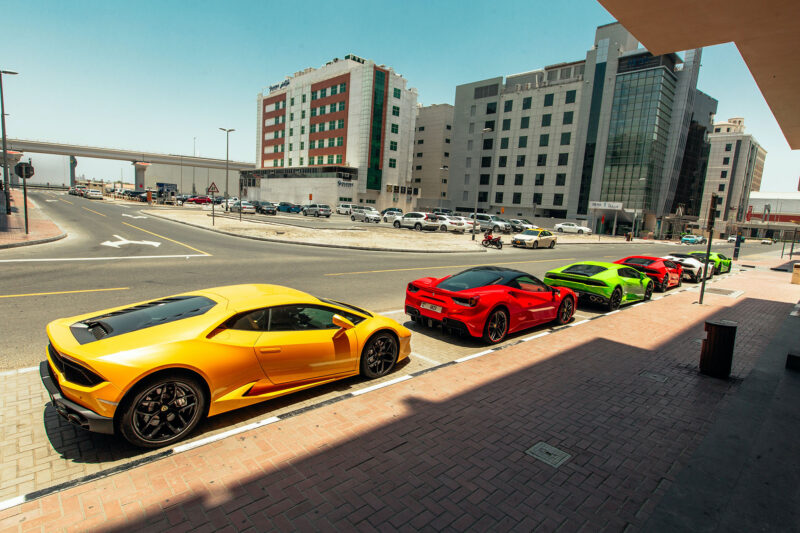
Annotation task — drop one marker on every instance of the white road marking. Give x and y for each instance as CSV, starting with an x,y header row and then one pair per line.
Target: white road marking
x,y
100,258
225,434
473,356
381,385
133,216
579,323
538,335
19,371
612,313
16,500
51,200
122,242
420,356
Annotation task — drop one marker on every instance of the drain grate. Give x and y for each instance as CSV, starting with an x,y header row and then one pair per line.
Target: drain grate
x,y
725,292
548,454
655,377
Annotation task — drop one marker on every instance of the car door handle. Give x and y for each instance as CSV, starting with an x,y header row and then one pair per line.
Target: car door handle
x,y
270,349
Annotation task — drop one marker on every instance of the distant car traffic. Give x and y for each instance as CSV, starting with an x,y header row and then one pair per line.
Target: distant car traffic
x,y
391,213
450,223
265,208
198,200
345,209
693,239
534,238
94,194
571,227
492,222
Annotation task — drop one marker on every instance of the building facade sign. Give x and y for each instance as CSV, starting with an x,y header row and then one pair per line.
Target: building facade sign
x,y
605,205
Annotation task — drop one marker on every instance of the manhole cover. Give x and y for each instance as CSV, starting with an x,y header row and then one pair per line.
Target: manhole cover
x,y
548,454
655,377
725,292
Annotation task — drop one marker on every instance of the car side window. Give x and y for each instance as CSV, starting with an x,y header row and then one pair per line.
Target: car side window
x,y
545,234
669,264
722,256
301,317
628,273
249,320
531,284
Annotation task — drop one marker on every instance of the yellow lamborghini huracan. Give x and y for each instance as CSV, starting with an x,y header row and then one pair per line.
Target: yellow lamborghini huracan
x,y
152,370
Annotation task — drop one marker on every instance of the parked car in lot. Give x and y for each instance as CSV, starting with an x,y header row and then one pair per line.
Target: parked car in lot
x,y
199,200
571,227
442,211
534,238
317,210
450,223
288,207
521,224
365,214
265,208
664,272
487,302
468,222
767,241
94,194
492,222
244,207
692,268
390,214
731,238
693,239
721,263
345,209
607,283
417,221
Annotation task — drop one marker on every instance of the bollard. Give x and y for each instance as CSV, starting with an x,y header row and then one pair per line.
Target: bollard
x,y
796,274
716,355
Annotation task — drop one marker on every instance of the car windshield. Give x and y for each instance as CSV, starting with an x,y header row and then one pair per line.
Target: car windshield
x,y
498,219
342,304
699,255
469,279
682,256
324,206
582,269
533,232
638,261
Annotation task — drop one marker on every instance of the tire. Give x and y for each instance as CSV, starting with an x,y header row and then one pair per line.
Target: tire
x,y
396,224
305,214
316,214
385,219
443,228
580,232
134,423
535,245
496,327
417,227
499,245
552,244
485,244
379,355
648,291
664,285
561,230
352,218
680,281
496,229
565,310
615,300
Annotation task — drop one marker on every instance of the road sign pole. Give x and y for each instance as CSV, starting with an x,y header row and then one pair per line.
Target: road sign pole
x,y
212,208
25,195
710,226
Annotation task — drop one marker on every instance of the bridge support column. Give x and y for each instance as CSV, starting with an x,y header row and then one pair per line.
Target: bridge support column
x,y
72,164
140,167
12,158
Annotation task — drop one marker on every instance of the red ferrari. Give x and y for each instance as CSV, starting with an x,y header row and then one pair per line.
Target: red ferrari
x,y
663,272
488,302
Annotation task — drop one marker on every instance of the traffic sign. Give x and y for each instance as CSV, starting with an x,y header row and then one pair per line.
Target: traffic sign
x,y
23,170
212,189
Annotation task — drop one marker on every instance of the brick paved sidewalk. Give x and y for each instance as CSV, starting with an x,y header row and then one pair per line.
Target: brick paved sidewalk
x,y
446,450
12,225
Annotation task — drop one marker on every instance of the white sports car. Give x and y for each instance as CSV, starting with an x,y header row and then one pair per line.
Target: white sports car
x,y
534,238
571,227
692,268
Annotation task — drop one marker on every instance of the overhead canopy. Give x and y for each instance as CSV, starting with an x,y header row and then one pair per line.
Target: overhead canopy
x,y
765,33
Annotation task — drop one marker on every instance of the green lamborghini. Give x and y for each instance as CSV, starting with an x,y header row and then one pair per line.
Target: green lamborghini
x,y
721,263
609,284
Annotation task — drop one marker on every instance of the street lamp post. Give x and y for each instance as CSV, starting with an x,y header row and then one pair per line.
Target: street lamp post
x,y
6,180
484,131
194,154
227,146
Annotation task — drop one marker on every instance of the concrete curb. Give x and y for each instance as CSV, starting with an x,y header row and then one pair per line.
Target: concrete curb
x,y
37,241
402,250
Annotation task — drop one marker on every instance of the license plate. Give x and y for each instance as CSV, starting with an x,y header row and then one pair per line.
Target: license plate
x,y
431,307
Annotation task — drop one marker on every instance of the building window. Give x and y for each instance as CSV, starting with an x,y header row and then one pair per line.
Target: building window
x,y
323,93
446,140
418,167
563,159
487,143
501,179
313,95
726,160
498,198
302,145
313,128
392,163
723,174
397,93
504,143
333,90
518,179
483,196
303,100
466,179
420,141
419,154
489,124
320,160
449,127
567,118
501,162
546,119
544,139
313,111
342,87
447,154
507,106
302,130
468,163
716,130
570,97
526,102
291,132
395,111
491,108
393,145
341,106
484,179
321,126
301,161
523,142
541,160
472,110
312,144
469,144
395,128
548,100
290,147
561,180
565,138
465,196
728,147
330,159
537,198
520,160
721,187
506,124
558,199
421,128
517,198
291,116
486,162
332,125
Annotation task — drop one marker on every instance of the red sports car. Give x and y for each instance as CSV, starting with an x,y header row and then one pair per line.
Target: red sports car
x,y
663,272
488,302
199,200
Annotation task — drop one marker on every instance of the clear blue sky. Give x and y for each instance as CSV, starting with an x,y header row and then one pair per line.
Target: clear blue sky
x,y
152,75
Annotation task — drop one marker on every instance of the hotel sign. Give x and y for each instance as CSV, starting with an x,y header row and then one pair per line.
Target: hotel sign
x,y
278,86
605,205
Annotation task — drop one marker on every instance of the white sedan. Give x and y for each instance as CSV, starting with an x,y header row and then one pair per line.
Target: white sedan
x,y
571,227
534,238
451,223
244,207
94,194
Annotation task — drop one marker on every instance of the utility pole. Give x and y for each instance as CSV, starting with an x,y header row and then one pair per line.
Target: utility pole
x,y
6,180
712,215
227,146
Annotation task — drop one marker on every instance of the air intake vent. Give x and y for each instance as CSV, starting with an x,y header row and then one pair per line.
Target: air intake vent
x,y
73,372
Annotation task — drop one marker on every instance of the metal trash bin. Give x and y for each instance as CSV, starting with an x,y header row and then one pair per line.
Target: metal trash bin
x,y
796,274
716,355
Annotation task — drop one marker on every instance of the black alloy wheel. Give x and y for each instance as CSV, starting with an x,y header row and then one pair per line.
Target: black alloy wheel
x,y
552,244
664,285
615,300
379,355
565,310
496,327
648,291
580,232
353,218
561,230
163,411
680,281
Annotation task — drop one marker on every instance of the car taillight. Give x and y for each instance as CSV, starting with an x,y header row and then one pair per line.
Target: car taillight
x,y
412,288
466,302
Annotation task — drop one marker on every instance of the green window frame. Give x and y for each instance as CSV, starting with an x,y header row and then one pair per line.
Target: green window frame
x,y
503,143
312,144
313,95
523,142
331,142
339,141
330,159
323,93
397,93
395,111
548,99
392,163
546,118
342,87
303,113
340,124
313,128
341,106
333,89
393,146
303,100
313,111
332,125
321,126
338,158
332,108
395,128
544,139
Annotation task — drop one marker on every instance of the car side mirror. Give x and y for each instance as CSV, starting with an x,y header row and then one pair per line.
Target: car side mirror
x,y
342,322
556,292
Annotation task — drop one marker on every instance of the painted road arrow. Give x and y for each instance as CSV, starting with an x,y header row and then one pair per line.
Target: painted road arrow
x,y
133,216
122,242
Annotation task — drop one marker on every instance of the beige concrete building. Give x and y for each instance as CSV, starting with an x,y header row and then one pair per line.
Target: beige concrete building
x,y
432,146
735,167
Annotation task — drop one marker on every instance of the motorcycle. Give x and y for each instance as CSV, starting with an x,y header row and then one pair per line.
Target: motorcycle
x,y
490,240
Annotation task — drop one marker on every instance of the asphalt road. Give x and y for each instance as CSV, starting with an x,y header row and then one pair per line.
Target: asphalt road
x,y
115,255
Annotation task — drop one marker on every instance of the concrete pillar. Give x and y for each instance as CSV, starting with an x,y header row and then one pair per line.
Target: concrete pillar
x,y
72,164
12,158
140,167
